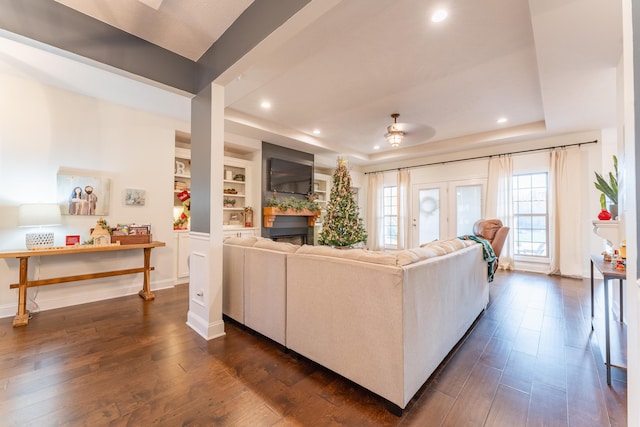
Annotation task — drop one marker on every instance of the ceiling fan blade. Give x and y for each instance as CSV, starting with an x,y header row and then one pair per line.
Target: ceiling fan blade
x,y
406,127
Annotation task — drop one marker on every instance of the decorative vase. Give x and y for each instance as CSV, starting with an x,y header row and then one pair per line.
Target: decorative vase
x,y
248,217
604,215
613,209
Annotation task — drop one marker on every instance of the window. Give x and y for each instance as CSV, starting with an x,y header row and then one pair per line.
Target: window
x,y
390,217
468,207
531,217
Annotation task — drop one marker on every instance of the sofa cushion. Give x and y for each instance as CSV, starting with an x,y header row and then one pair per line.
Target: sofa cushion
x,y
351,254
276,246
410,256
448,245
454,244
434,246
241,241
431,250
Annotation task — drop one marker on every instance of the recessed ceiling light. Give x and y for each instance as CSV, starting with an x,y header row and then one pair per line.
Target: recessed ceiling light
x,y
316,131
502,120
266,105
439,15
376,147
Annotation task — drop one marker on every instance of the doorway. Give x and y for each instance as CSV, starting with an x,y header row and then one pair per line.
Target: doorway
x,y
445,210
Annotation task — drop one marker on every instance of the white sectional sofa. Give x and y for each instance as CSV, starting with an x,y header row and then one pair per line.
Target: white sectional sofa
x,y
383,320
254,284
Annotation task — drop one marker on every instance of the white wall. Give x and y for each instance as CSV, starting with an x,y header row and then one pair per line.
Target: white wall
x,y
45,129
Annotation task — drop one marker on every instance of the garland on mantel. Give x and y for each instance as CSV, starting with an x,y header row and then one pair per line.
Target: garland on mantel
x,y
292,203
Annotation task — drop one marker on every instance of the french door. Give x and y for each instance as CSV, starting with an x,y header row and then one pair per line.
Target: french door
x,y
444,210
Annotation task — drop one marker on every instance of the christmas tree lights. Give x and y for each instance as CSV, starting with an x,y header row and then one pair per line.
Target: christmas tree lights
x,y
342,226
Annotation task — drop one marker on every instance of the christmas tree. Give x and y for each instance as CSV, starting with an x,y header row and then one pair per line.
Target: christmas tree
x,y
342,223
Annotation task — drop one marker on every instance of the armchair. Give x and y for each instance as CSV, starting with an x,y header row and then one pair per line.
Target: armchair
x,y
493,231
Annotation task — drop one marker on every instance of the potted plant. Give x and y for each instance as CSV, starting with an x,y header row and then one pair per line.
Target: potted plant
x,y
610,187
229,202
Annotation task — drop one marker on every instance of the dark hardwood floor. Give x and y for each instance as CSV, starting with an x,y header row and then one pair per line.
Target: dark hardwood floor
x,y
531,360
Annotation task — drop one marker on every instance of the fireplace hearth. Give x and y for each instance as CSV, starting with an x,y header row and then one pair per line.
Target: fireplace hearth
x,y
297,239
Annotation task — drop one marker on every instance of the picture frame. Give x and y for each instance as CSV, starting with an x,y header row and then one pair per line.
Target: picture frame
x,y
234,219
135,197
72,240
83,195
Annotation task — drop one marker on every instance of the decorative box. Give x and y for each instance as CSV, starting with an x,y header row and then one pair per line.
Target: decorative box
x,y
132,239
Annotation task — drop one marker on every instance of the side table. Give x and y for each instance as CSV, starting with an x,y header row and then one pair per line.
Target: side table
x,y
608,273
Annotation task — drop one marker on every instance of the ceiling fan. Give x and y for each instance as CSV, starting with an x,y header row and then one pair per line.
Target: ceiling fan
x,y
396,132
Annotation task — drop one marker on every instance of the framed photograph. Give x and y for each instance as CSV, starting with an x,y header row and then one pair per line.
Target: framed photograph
x,y
140,229
134,197
72,240
83,194
234,219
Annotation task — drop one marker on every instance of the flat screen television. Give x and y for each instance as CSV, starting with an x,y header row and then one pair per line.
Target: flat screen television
x,y
290,177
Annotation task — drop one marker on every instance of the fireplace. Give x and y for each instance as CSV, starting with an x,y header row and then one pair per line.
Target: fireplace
x,y
298,239
293,229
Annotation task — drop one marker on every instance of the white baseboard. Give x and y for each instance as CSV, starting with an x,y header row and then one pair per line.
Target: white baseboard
x,y
8,310
206,331
88,295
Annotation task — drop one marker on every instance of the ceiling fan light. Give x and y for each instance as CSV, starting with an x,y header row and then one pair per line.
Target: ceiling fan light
x,y
394,138
394,135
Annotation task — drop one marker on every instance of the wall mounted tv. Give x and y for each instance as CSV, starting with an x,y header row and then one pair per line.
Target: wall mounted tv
x,y
290,177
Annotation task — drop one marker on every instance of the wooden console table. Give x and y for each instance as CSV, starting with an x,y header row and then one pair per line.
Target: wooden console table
x,y
22,317
608,273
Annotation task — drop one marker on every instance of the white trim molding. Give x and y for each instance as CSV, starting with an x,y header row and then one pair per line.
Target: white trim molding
x,y
203,316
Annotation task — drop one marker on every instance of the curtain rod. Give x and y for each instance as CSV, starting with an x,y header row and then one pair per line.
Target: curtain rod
x,y
595,141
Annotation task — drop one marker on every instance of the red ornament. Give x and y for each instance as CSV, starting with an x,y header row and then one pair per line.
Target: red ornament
x,y
604,215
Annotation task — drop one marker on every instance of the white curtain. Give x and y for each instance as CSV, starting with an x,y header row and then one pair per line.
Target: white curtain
x,y
565,201
404,220
499,202
375,239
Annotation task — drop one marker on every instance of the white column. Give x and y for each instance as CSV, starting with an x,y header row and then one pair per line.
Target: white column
x,y
629,215
205,285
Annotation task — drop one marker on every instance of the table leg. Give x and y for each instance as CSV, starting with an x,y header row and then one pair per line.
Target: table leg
x,y
22,317
621,304
592,311
606,329
146,293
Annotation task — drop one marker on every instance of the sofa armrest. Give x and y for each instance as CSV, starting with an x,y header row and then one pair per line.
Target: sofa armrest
x,y
233,281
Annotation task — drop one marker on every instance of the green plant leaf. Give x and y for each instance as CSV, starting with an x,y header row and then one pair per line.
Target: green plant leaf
x,y
602,185
613,181
292,203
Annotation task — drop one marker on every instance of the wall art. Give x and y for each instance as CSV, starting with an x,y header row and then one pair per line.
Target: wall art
x,y
134,197
83,194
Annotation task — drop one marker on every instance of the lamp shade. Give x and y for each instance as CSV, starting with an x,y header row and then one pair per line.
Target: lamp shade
x,y
39,215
